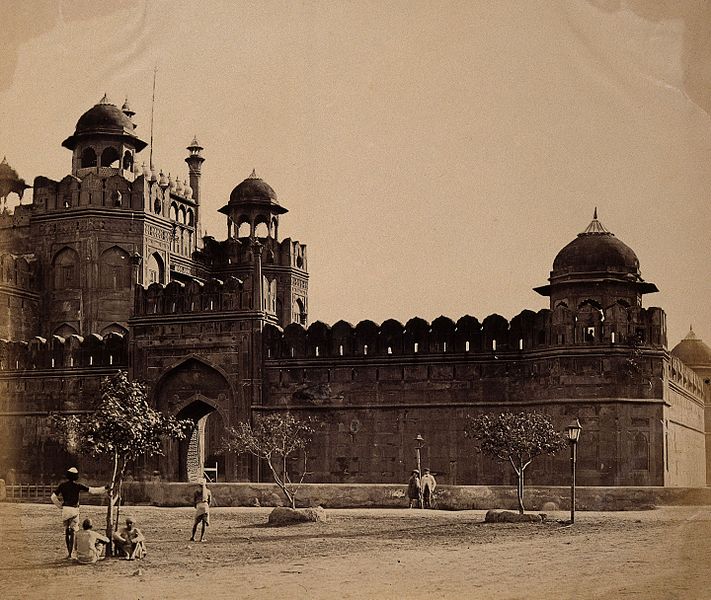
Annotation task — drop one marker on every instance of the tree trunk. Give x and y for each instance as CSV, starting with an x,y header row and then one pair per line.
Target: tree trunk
x,y
281,483
119,494
520,473
110,508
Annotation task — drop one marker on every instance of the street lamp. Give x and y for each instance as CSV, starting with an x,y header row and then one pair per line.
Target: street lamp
x,y
573,434
419,443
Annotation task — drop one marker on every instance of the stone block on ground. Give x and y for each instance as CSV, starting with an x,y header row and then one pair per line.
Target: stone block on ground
x,y
283,515
507,516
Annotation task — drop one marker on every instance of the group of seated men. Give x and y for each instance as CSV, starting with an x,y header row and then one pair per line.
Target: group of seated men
x,y
89,545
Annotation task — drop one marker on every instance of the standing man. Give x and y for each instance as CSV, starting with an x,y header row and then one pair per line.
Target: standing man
x,y
69,490
201,500
414,490
428,487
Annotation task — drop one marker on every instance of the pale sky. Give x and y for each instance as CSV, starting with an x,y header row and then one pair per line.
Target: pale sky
x,y
434,156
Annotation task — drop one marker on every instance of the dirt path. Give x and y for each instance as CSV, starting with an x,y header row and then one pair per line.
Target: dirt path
x,y
373,553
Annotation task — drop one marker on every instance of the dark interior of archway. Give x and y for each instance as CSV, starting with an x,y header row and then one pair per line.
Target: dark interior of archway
x,y
191,391
206,440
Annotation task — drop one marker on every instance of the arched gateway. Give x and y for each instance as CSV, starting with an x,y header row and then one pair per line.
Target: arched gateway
x,y
195,390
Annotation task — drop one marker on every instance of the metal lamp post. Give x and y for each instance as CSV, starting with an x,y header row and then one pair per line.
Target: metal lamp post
x,y
419,443
573,434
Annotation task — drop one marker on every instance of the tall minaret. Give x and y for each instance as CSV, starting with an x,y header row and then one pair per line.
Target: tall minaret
x,y
195,160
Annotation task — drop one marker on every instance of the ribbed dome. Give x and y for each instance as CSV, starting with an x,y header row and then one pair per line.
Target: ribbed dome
x,y
693,351
104,118
253,194
596,249
253,188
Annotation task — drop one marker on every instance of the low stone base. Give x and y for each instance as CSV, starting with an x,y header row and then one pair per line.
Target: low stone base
x,y
448,497
282,515
506,516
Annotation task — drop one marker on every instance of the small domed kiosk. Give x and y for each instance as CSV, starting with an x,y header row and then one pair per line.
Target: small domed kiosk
x,y
253,202
596,266
104,138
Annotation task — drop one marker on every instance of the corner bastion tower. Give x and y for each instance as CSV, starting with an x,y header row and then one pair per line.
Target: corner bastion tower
x,y
106,270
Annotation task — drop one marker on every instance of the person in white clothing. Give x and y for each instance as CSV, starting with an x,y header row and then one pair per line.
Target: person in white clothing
x,y
89,545
428,487
202,499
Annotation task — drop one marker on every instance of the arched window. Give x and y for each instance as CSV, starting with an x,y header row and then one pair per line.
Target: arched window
x,y
110,157
115,269
127,160
88,158
156,269
191,218
243,230
66,269
640,451
300,316
181,215
173,212
262,230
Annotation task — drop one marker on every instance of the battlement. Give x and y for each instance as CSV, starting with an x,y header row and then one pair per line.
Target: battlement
x,y
684,377
239,251
18,217
74,351
195,296
19,272
525,332
107,188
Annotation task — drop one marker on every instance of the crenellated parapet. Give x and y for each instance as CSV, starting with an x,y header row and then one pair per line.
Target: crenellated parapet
x,y
19,272
525,332
234,252
193,297
679,374
106,189
58,352
17,217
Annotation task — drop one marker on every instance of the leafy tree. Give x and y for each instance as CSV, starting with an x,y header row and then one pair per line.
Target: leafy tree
x,y
123,427
275,438
515,437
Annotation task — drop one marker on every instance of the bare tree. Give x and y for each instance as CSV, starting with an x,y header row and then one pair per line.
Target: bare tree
x,y
516,438
275,438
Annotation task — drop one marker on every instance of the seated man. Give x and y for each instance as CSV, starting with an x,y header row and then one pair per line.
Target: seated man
x,y
129,541
89,545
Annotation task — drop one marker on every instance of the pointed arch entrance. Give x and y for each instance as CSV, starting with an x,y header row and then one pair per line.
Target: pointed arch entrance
x,y
200,392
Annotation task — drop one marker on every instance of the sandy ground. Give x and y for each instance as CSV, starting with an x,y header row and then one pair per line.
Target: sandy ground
x,y
370,553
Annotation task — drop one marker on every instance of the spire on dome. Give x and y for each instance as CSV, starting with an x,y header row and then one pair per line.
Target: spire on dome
x,y
595,227
127,110
253,174
691,335
104,100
